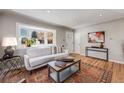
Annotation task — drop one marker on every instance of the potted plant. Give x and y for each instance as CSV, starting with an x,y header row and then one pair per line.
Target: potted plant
x,y
30,42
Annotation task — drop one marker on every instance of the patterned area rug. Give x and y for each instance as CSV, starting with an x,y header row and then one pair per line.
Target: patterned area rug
x,y
88,74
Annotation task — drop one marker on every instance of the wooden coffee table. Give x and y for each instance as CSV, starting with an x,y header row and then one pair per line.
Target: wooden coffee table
x,y
60,74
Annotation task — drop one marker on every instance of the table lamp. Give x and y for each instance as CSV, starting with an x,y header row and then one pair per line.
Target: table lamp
x,y
9,43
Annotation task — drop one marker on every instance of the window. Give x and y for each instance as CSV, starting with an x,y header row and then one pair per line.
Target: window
x,y
29,36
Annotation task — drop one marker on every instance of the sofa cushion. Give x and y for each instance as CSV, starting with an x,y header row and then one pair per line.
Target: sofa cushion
x,y
40,60
36,52
60,55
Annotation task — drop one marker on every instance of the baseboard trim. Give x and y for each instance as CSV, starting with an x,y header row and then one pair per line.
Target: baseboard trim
x,y
111,60
116,61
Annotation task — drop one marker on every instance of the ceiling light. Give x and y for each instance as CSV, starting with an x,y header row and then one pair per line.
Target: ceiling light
x,y
48,11
100,14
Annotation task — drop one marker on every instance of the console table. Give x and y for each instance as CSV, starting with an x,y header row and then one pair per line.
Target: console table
x,y
95,49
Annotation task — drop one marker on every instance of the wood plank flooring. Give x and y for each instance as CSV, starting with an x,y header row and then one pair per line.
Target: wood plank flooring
x,y
117,69
41,74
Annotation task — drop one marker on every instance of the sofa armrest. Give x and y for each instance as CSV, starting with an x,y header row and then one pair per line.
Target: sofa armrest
x,y
26,62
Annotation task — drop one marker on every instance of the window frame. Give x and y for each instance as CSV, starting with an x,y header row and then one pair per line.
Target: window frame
x,y
20,25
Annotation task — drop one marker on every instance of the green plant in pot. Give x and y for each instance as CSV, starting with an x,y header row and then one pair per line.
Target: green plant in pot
x,y
30,42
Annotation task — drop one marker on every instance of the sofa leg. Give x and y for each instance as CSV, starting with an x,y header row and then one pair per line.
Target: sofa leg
x,y
30,72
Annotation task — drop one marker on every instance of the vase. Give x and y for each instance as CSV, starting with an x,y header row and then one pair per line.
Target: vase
x,y
101,45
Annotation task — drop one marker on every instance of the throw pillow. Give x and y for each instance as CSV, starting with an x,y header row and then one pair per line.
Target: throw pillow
x,y
55,50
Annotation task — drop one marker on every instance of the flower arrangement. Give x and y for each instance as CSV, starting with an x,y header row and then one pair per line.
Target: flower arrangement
x,y
30,42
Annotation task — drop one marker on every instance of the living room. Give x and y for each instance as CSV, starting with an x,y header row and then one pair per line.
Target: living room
x,y
86,43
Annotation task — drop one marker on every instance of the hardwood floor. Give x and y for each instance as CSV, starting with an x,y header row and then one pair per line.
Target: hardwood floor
x,y
92,71
117,69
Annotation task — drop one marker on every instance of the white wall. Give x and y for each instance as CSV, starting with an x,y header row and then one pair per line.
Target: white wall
x,y
8,22
1,21
114,38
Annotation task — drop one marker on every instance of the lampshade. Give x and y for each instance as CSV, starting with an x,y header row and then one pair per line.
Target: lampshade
x,y
9,41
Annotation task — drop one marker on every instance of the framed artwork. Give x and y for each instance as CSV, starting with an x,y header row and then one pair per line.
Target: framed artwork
x,y
49,37
31,36
96,37
23,32
40,37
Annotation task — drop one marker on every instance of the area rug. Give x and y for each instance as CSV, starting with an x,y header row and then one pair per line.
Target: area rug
x,y
87,74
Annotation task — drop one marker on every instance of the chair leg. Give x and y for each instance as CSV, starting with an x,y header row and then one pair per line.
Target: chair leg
x,y
30,72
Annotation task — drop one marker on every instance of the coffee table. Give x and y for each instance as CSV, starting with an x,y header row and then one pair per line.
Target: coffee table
x,y
60,74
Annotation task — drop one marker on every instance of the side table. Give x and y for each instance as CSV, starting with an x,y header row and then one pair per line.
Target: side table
x,y
12,63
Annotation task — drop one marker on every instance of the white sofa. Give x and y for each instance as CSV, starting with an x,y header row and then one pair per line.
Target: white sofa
x,y
38,57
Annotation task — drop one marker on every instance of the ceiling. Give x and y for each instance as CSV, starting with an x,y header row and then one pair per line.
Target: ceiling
x,y
73,18
1,10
